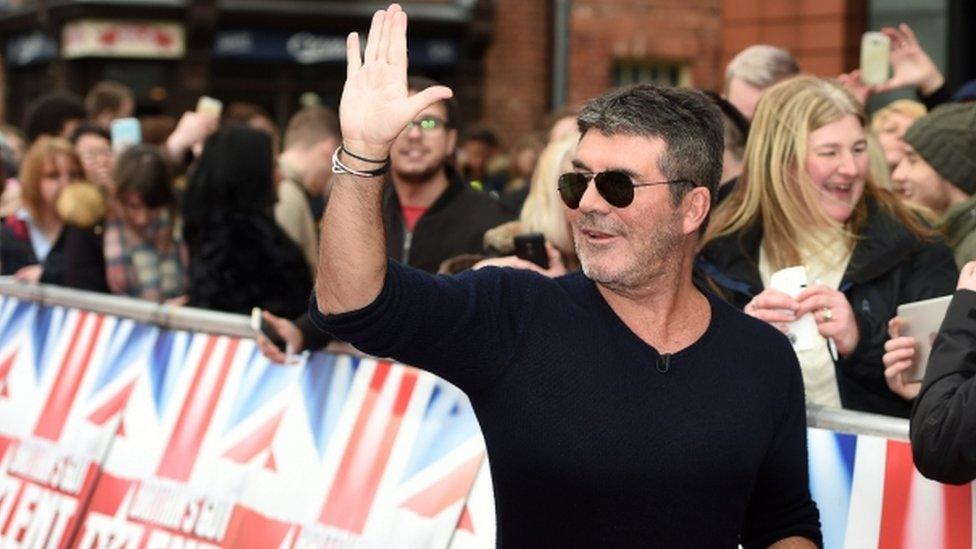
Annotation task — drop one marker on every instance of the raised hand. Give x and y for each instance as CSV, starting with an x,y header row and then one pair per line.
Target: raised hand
x,y
911,65
375,104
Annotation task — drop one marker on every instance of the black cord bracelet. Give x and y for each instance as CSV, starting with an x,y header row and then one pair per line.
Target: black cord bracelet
x,y
362,158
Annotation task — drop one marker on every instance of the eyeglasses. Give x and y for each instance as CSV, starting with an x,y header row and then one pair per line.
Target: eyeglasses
x,y
426,124
617,188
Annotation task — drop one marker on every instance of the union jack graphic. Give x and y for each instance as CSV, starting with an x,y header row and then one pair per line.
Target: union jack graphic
x,y
870,495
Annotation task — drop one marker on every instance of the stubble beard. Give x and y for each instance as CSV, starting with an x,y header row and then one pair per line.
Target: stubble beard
x,y
656,256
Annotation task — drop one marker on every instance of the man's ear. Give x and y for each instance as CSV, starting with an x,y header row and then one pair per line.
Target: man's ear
x,y
452,137
696,204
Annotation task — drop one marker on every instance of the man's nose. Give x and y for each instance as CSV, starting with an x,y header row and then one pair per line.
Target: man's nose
x,y
592,201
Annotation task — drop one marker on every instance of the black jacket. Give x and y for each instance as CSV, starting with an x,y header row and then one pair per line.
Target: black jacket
x,y
16,251
454,224
943,427
888,267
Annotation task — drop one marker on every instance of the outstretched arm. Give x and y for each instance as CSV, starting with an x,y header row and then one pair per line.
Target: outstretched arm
x,y
374,108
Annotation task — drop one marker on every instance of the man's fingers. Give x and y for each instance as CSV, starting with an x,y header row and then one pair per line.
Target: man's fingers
x,y
426,98
397,52
373,39
353,58
383,47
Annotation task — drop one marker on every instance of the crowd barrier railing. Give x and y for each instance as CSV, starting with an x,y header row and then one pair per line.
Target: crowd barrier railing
x,y
125,423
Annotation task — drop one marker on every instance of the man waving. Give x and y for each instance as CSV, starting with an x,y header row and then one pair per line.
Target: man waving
x,y
621,406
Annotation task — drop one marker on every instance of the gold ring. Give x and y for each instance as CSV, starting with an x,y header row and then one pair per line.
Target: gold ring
x,y
827,314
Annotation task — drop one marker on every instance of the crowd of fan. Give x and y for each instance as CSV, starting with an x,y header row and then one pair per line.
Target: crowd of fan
x,y
222,212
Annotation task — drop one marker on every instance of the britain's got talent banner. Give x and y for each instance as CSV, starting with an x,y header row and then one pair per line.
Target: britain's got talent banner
x,y
119,434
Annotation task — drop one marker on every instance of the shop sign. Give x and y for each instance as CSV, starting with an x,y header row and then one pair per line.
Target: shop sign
x,y
306,47
31,49
123,38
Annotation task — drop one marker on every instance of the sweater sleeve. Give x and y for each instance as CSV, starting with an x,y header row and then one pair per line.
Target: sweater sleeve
x,y
461,328
943,424
781,505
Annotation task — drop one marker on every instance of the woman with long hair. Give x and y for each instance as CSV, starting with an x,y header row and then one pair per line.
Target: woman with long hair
x,y
808,198
31,244
239,257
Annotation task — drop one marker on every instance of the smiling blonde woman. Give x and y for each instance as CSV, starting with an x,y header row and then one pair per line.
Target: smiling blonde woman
x,y
808,197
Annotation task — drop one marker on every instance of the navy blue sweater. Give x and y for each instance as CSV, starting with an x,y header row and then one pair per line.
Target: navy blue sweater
x,y
590,444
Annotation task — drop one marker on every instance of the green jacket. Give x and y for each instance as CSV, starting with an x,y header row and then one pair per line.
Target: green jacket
x,y
959,228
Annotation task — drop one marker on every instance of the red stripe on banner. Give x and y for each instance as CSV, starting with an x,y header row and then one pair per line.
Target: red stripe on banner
x,y
249,529
958,516
259,441
114,405
465,523
7,364
5,367
67,382
194,420
899,470
447,491
358,478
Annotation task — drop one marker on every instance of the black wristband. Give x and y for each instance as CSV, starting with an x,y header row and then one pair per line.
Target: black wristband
x,y
362,158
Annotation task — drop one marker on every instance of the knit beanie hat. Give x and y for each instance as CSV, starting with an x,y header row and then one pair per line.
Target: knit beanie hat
x,y
946,139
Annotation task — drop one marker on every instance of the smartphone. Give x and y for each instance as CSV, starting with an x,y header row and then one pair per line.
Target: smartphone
x,y
210,106
126,132
875,58
261,326
532,247
922,321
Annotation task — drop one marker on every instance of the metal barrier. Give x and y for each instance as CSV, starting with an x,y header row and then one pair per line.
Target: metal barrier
x,y
189,318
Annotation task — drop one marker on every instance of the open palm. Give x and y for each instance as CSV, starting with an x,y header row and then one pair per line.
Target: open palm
x,y
375,104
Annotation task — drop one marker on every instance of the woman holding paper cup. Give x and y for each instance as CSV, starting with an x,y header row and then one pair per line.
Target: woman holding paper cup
x,y
809,242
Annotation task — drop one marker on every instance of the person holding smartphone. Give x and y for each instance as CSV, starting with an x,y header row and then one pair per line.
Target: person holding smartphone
x,y
943,424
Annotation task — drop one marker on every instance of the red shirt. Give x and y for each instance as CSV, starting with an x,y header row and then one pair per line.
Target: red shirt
x,y
412,214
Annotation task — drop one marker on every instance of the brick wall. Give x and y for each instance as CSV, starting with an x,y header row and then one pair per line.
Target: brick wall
x,y
823,35
602,31
518,67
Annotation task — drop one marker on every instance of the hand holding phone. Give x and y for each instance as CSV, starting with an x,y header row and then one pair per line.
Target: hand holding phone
x,y
875,58
261,326
532,247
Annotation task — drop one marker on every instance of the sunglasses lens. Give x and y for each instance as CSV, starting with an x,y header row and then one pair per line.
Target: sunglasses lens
x,y
571,188
616,188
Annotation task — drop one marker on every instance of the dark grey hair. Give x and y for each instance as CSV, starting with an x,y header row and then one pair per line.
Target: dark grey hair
x,y
685,119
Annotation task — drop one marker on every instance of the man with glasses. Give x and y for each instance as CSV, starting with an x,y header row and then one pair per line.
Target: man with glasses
x,y
430,214
622,407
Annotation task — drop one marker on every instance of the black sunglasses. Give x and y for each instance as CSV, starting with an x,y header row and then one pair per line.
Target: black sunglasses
x,y
617,188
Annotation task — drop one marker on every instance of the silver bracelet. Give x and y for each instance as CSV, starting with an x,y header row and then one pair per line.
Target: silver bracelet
x,y
338,168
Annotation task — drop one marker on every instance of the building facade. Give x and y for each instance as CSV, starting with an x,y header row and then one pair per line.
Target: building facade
x,y
510,62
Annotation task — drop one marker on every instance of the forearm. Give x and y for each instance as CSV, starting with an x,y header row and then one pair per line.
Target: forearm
x,y
352,252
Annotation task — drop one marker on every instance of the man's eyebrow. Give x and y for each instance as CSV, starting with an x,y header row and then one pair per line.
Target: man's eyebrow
x,y
581,166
